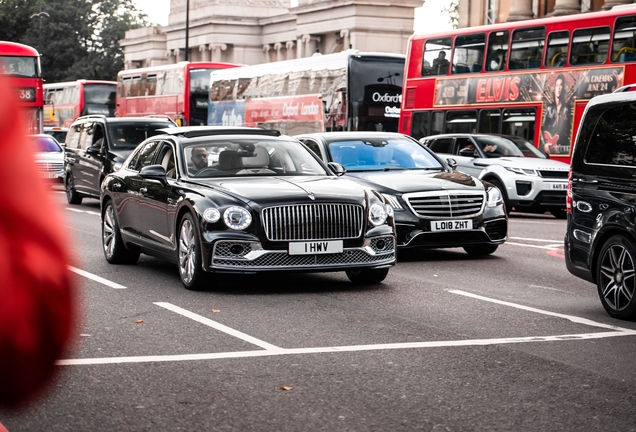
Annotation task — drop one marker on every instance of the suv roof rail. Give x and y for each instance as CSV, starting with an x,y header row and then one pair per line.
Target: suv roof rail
x,y
200,131
625,88
101,116
162,116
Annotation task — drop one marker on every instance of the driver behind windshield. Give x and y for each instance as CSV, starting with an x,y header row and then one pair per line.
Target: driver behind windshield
x,y
199,159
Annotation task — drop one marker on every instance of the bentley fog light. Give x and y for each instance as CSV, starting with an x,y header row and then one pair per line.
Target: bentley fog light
x,y
377,214
237,218
211,215
494,198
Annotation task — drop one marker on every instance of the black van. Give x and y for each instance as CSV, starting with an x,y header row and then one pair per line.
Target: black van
x,y
600,242
97,145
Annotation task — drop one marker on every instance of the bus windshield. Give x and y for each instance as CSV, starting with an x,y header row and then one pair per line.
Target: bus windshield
x,y
25,67
100,94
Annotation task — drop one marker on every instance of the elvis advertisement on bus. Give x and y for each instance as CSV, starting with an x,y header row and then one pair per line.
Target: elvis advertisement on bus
x,y
556,91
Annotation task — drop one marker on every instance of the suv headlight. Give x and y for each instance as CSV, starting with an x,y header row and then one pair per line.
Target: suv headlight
x,y
237,218
493,197
523,171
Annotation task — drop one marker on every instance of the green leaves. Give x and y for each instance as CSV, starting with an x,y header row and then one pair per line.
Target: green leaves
x,y
78,39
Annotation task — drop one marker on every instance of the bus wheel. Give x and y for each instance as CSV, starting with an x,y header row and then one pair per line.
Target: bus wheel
x,y
71,194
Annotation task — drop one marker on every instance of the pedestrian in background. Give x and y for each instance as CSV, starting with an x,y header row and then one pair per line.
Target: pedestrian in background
x,y
36,293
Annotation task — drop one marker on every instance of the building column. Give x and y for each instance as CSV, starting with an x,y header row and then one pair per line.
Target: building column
x,y
266,49
278,47
216,50
205,53
310,44
344,35
611,3
521,10
289,47
178,54
566,7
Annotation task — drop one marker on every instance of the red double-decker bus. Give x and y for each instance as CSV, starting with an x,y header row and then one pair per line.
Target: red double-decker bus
x,y
66,101
21,65
527,78
179,91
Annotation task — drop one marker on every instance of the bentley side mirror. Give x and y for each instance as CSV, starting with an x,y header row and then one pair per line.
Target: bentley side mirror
x,y
154,172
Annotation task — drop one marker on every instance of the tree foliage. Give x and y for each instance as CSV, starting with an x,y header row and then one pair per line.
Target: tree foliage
x,y
77,39
452,10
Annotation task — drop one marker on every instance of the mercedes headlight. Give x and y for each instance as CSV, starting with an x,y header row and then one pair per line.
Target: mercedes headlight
x,y
237,218
393,202
494,197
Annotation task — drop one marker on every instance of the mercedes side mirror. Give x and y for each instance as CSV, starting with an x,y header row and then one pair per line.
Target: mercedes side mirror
x,y
337,168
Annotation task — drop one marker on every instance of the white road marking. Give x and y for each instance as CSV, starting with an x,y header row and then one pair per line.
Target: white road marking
x,y
574,319
96,278
549,247
90,212
534,240
551,289
218,326
340,349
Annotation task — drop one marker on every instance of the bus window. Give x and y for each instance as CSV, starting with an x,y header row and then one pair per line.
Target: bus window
x,y
623,48
461,121
437,122
557,51
519,122
526,51
420,124
436,55
497,51
590,46
489,121
468,55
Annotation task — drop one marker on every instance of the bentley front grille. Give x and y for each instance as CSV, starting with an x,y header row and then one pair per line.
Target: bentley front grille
x,y
446,204
313,222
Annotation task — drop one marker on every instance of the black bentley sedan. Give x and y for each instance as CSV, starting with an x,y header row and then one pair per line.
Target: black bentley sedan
x,y
243,200
435,206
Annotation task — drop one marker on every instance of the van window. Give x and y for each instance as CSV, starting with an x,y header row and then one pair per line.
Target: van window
x,y
613,141
73,137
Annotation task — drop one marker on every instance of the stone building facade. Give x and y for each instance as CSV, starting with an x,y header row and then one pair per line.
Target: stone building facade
x,y
479,12
261,31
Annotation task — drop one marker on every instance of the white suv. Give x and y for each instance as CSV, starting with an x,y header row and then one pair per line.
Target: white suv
x,y
528,180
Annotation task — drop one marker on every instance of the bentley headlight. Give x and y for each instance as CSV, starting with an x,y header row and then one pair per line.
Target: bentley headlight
x,y
237,218
377,214
212,215
494,197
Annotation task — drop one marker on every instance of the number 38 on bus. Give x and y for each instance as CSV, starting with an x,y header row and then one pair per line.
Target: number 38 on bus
x,y
530,78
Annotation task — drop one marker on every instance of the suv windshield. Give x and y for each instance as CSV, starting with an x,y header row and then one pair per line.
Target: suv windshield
x,y
382,155
128,135
496,147
234,156
527,148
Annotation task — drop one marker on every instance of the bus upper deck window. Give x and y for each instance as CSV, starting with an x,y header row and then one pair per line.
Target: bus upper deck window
x,y
527,48
436,55
468,54
497,51
590,46
623,46
557,50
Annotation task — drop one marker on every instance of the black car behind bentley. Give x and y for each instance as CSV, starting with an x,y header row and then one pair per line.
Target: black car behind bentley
x,y
435,206
243,200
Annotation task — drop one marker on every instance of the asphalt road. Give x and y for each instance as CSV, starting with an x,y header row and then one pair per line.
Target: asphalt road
x,y
446,343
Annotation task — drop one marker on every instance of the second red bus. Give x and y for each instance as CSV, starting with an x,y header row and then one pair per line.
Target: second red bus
x,y
66,101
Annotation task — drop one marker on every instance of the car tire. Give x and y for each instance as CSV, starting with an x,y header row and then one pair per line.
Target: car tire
x,y
72,196
559,213
504,195
367,276
616,277
480,250
189,249
113,246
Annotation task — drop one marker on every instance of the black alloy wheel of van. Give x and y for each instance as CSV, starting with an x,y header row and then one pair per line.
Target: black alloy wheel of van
x,y
71,194
616,278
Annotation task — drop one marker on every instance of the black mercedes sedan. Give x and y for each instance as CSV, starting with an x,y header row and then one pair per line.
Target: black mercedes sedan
x,y
435,206
243,200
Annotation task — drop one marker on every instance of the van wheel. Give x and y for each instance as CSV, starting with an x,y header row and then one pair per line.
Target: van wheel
x,y
559,213
115,251
367,276
190,267
504,195
481,250
616,278
71,194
